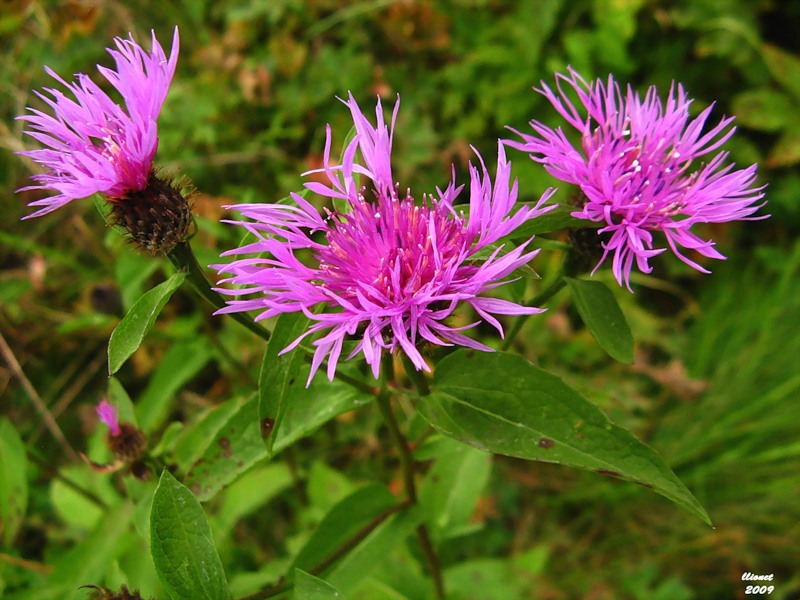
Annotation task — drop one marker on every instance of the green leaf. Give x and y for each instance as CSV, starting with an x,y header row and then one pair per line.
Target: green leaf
x,y
253,490
308,587
180,363
326,487
279,372
499,576
88,561
73,507
763,109
308,408
501,403
13,481
343,521
452,488
119,398
129,333
554,220
784,66
199,435
374,549
132,271
786,151
235,447
238,444
181,545
600,312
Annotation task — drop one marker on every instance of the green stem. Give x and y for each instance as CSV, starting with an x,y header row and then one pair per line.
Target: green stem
x,y
406,460
416,377
407,465
282,586
52,472
538,300
184,260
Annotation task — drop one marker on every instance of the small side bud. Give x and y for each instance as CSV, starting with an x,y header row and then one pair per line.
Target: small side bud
x,y
125,440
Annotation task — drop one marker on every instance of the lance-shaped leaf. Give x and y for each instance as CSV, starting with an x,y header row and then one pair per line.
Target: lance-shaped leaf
x,y
280,372
600,312
238,442
13,482
129,333
181,545
308,587
501,403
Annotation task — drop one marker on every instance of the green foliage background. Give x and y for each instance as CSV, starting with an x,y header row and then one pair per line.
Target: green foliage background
x,y
714,389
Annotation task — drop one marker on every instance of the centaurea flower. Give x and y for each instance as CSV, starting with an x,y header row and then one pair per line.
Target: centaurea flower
x,y
634,168
389,271
94,145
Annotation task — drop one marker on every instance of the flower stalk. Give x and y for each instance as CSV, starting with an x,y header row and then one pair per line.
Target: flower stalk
x,y
183,258
383,400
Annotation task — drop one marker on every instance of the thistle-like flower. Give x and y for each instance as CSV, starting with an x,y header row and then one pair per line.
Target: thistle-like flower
x,y
94,145
634,168
388,271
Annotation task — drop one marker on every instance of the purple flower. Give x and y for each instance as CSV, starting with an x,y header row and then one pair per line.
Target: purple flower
x,y
92,144
633,166
388,270
108,415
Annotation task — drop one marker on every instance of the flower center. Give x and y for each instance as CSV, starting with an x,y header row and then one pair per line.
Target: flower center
x,y
391,251
648,179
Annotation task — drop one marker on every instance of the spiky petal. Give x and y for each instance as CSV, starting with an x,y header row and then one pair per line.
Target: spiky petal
x,y
391,270
92,144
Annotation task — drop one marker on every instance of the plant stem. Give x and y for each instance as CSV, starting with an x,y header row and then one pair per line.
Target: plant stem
x,y
284,586
416,377
407,465
539,299
406,460
184,260
55,473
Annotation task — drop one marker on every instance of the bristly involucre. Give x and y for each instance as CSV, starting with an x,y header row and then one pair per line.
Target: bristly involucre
x,y
93,145
634,167
390,270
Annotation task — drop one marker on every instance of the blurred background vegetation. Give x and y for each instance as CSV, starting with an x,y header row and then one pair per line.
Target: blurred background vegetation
x,y
716,384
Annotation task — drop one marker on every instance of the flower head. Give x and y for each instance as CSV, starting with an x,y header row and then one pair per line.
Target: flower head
x,y
634,168
389,270
93,145
125,440
108,415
